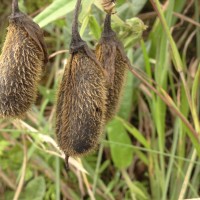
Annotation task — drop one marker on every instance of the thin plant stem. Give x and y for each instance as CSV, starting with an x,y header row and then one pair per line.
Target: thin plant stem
x,y
97,168
187,176
23,173
57,162
177,61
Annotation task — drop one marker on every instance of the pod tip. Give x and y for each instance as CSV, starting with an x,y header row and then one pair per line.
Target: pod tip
x,y
76,41
108,32
15,7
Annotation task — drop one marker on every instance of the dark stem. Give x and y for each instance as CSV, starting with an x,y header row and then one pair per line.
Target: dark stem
x,y
108,32
75,19
15,7
76,41
67,163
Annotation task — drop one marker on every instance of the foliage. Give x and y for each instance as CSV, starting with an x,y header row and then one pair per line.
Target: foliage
x,y
149,150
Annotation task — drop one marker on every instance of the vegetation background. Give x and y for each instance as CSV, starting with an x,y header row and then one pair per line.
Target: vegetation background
x,y
150,150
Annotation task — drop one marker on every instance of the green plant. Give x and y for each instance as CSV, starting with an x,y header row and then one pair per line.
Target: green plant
x,y
151,148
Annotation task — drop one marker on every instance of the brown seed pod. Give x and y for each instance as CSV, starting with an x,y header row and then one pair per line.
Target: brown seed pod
x,y
81,99
108,6
22,61
110,53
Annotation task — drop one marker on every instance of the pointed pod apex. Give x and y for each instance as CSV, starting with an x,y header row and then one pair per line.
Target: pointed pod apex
x,y
108,32
76,41
15,10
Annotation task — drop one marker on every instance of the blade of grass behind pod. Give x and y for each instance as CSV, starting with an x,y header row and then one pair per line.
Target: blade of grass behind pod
x,y
178,6
94,27
84,25
100,183
176,58
171,160
134,189
195,92
135,132
138,5
57,181
85,8
161,76
129,94
54,11
187,176
184,108
84,16
121,156
197,14
126,104
145,49
195,182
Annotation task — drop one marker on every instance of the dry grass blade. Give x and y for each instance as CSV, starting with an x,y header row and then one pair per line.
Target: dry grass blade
x,y
187,177
7,180
45,138
87,184
23,173
57,53
168,101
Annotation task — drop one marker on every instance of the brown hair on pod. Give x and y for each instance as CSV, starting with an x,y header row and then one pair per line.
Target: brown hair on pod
x,y
110,53
22,61
81,99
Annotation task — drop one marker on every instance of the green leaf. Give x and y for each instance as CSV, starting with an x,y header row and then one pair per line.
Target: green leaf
x,y
94,27
122,155
85,8
127,99
136,133
84,15
35,189
195,89
49,94
138,5
3,145
84,25
54,11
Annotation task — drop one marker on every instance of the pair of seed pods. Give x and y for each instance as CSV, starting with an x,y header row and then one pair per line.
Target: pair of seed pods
x,y
90,90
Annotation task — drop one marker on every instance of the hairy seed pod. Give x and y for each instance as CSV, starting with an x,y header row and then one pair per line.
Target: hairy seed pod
x,y
81,99
108,6
110,53
22,61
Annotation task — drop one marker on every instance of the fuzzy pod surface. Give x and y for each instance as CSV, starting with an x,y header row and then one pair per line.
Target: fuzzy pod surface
x,y
110,53
22,62
81,101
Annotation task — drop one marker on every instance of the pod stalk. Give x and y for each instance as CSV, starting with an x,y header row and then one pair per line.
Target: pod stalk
x,y
76,41
67,163
15,7
108,32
